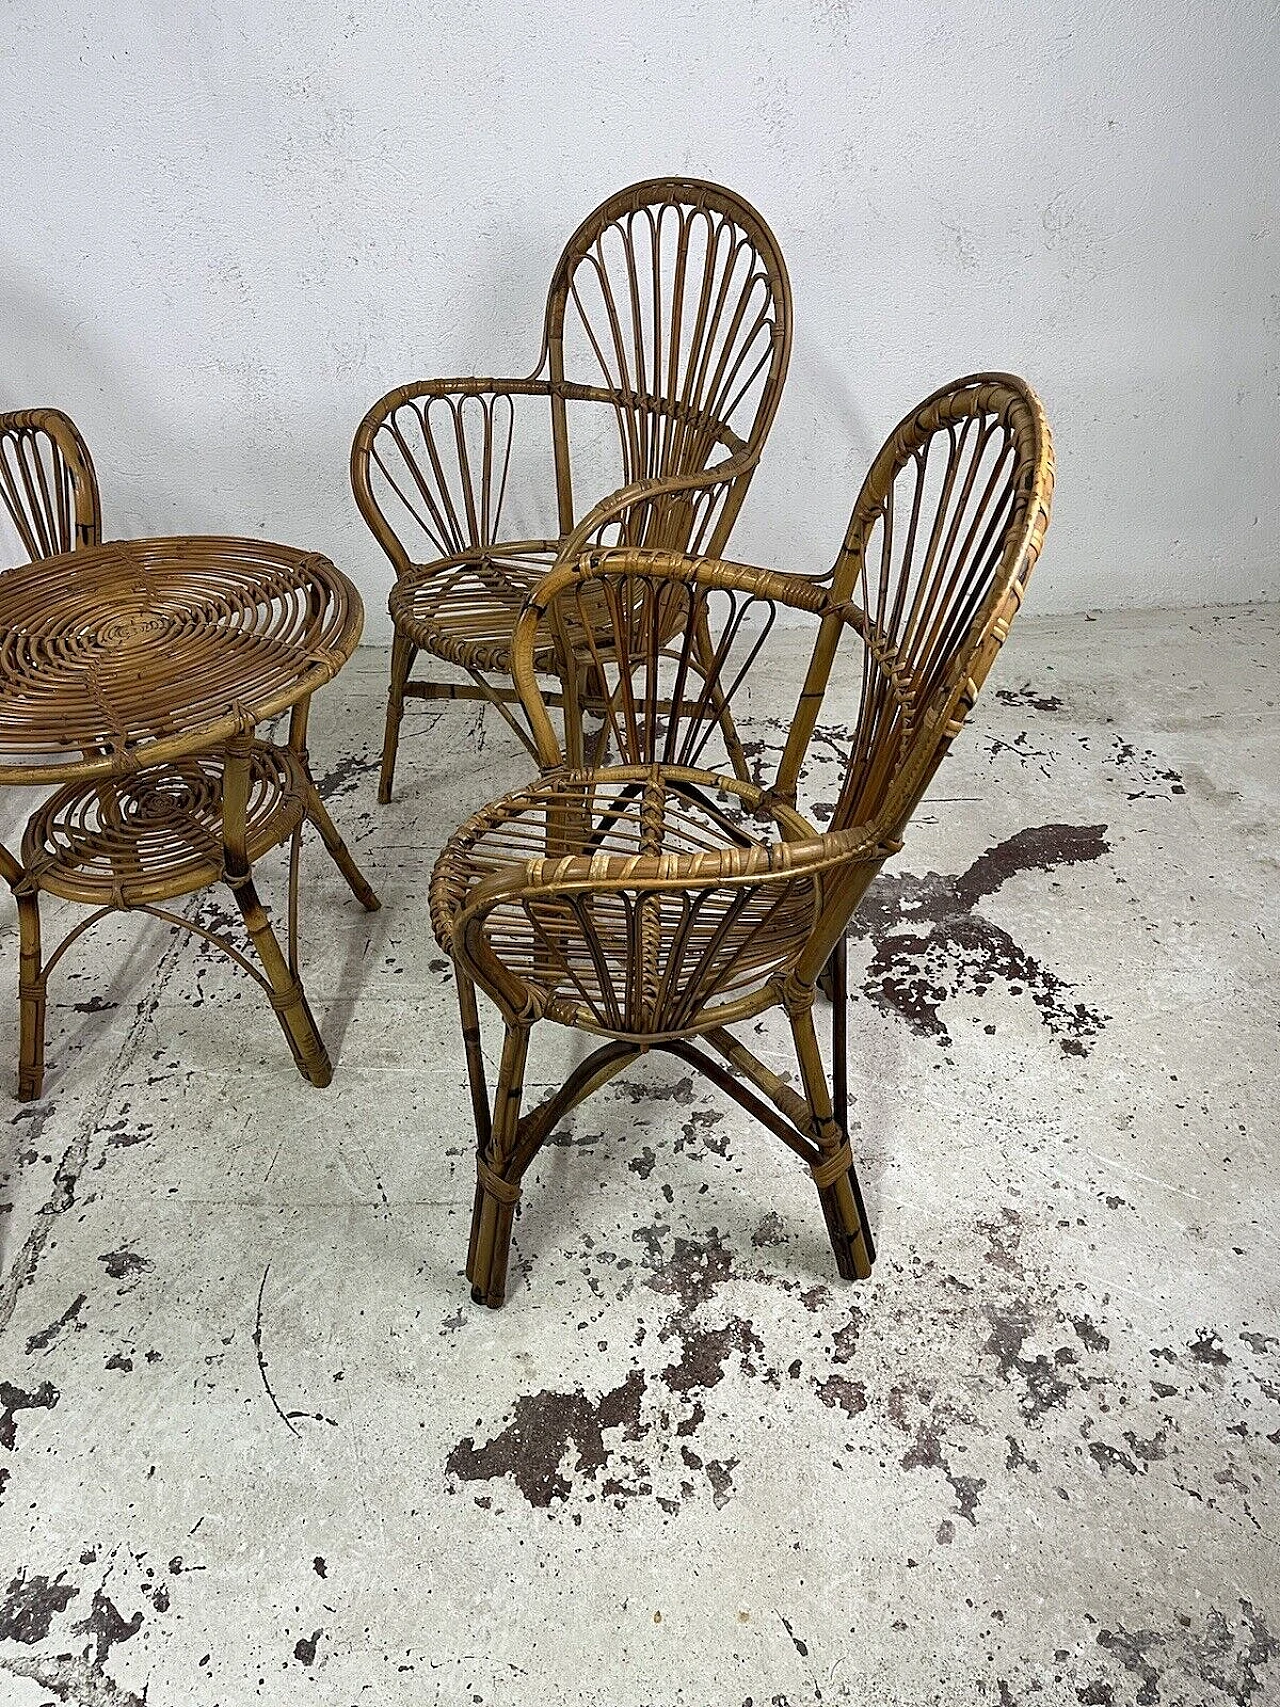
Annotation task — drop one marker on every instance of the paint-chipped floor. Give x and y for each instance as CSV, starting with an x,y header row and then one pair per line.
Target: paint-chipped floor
x,y
258,1445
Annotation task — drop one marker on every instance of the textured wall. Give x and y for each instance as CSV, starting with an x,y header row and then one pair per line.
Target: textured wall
x,y
227,229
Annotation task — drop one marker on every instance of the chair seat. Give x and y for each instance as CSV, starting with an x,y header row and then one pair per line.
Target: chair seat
x,y
614,960
146,838
464,608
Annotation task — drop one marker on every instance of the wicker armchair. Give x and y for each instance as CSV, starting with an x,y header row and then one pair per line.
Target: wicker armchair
x,y
656,903
666,341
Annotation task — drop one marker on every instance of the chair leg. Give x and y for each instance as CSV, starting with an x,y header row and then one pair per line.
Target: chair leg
x,y
836,972
31,1000
834,1173
497,1196
339,851
287,995
470,1016
403,652
838,967
827,980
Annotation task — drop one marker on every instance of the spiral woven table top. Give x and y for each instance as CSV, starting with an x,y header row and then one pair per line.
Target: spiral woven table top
x,y
141,650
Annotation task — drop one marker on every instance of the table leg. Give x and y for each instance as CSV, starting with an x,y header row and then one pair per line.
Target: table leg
x,y
31,1000
287,995
31,985
317,813
339,851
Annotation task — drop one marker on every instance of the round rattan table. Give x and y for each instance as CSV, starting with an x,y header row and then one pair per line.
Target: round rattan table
x,y
133,676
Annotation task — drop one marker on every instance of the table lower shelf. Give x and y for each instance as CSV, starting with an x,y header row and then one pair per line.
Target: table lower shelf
x,y
147,838
150,837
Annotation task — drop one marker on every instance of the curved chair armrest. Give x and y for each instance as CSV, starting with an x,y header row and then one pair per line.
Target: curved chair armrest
x,y
673,486
452,495
467,385
799,592
578,874
631,568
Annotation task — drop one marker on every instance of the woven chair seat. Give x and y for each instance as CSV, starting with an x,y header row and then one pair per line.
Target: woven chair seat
x,y
464,608
727,942
140,839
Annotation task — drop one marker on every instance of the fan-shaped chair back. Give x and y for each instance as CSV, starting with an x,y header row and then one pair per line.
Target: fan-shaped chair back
x,y
671,308
944,535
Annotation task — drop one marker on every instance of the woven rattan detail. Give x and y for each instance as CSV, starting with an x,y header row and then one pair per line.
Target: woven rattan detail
x,y
504,1191
831,1167
464,609
183,640
629,964
156,834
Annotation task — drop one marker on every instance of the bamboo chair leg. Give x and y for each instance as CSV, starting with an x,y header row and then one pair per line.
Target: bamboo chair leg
x,y
834,1174
339,851
837,970
403,652
838,967
31,1000
827,977
470,1016
497,1196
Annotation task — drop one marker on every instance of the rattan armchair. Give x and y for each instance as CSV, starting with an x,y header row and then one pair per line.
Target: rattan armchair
x,y
656,903
665,347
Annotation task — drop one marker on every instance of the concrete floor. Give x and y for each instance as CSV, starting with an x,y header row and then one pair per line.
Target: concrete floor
x,y
257,1444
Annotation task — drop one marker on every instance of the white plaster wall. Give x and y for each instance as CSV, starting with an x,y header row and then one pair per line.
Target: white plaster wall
x,y
228,228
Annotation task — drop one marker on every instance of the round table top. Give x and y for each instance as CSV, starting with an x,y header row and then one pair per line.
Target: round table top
x,y
141,650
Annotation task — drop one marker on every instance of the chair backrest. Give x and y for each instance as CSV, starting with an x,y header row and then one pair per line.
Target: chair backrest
x,y
671,639
667,334
944,535
48,489
943,538
671,309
